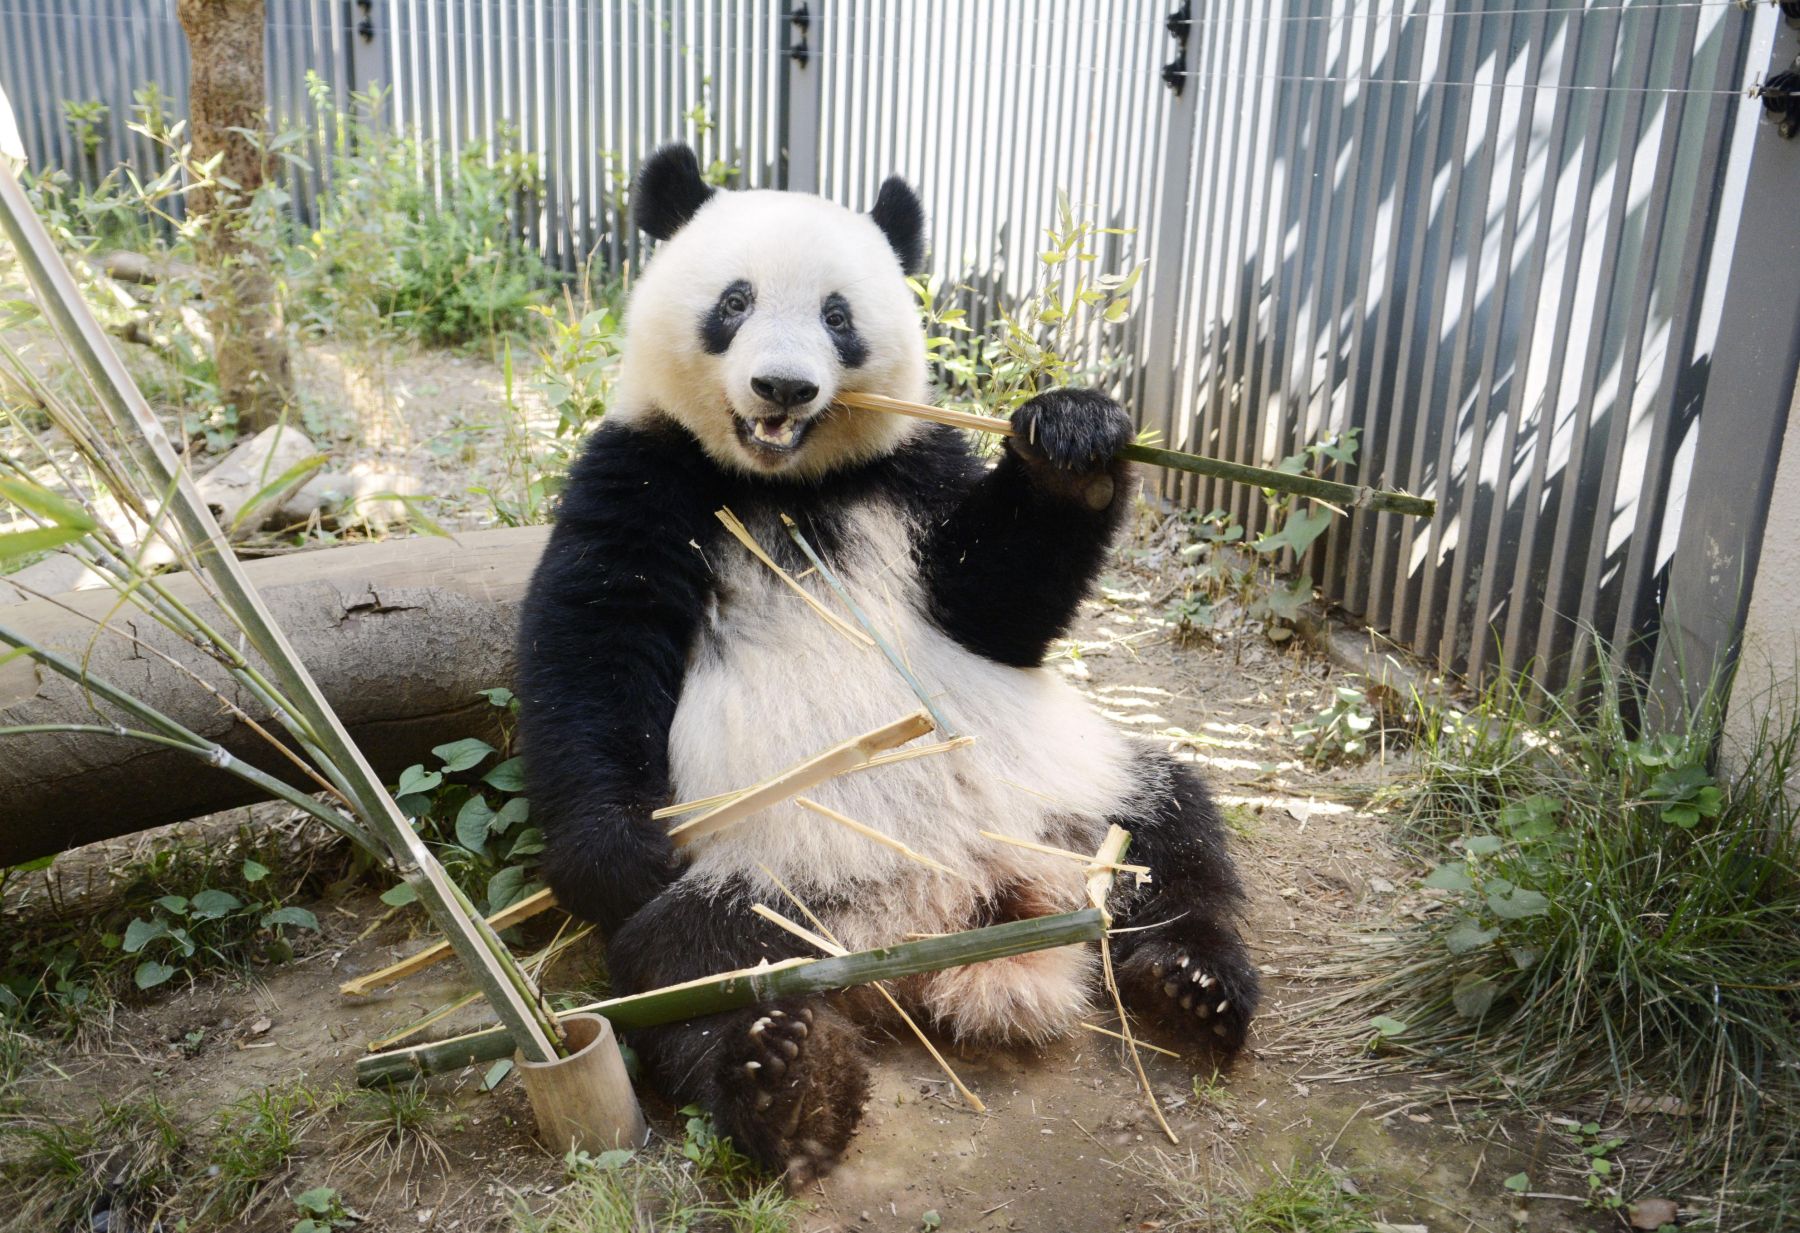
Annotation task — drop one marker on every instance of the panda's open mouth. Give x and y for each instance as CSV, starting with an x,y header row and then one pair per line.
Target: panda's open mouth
x,y
773,436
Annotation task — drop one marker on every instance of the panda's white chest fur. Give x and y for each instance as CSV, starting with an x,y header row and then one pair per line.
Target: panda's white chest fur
x,y
769,684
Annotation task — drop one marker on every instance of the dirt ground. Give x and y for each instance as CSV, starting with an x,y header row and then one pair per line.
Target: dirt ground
x,y
1067,1143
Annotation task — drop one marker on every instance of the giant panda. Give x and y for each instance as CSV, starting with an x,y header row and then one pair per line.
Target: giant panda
x,y
660,662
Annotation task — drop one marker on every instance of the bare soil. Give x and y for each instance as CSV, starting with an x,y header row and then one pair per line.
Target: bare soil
x,y
1067,1143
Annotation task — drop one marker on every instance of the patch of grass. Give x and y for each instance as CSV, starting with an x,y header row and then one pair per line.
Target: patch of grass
x,y
124,1160
1198,1193
1310,1200
656,1190
1617,922
703,1184
255,1146
392,1127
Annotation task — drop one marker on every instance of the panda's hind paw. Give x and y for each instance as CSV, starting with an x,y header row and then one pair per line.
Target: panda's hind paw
x,y
794,1081
1208,995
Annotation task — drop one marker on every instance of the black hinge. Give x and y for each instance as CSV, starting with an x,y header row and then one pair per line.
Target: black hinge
x,y
802,21
365,26
1180,24
1780,97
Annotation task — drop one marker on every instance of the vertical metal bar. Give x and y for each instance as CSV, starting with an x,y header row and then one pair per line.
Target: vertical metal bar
x,y
1704,240
1524,599
1168,238
1458,492
1418,413
1267,398
1603,501
1486,503
1563,104
1749,391
1343,300
801,142
1556,628
1390,569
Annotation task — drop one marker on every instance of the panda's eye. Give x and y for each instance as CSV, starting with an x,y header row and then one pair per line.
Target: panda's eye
x,y
836,319
736,303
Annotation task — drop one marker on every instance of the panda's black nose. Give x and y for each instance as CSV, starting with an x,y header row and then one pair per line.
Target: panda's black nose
x,y
784,391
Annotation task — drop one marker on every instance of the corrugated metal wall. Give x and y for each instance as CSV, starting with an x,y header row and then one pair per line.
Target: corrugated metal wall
x,y
1487,234
1482,234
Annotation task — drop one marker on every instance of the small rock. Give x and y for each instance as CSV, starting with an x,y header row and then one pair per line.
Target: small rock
x,y
262,1024
1652,1213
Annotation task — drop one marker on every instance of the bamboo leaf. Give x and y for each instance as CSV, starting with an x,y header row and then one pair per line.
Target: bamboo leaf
x,y
39,500
16,544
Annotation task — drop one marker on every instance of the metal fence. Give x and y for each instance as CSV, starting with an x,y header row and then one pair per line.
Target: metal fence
x,y
1500,238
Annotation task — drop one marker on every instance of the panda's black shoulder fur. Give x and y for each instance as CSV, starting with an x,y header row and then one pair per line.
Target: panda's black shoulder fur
x,y
618,599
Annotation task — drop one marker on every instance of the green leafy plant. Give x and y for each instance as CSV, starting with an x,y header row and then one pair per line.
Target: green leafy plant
x,y
1057,336
322,1210
212,923
1614,914
447,265
469,805
86,120
1339,730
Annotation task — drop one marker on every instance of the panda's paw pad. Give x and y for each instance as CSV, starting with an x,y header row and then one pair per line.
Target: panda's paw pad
x,y
1213,998
795,1081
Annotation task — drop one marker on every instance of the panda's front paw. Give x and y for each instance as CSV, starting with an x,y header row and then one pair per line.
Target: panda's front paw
x,y
1070,429
1209,991
794,1081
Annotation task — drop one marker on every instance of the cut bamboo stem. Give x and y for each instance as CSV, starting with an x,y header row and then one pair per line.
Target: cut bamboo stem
x,y
1140,871
712,995
815,770
517,913
742,534
829,943
880,837
1354,496
868,626
886,759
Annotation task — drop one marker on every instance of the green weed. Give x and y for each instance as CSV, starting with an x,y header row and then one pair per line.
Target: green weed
x,y
1616,917
663,1190
125,1159
469,806
255,1146
1311,1200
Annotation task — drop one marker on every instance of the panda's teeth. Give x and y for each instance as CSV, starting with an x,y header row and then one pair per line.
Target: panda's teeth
x,y
781,434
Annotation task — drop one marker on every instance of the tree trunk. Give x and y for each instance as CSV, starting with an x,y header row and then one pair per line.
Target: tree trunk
x,y
400,635
226,103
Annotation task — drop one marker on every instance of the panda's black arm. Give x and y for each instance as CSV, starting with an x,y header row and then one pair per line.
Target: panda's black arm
x,y
1008,564
604,637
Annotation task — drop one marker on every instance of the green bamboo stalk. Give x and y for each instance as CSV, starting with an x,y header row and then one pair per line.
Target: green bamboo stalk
x,y
1351,496
735,990
514,998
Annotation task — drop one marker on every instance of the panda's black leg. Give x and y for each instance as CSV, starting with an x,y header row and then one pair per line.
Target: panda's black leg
x,y
1183,961
786,1080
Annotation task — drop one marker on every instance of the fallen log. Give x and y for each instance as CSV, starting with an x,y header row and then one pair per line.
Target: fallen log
x,y
400,635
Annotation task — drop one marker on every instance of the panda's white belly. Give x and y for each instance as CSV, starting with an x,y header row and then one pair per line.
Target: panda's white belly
x,y
771,685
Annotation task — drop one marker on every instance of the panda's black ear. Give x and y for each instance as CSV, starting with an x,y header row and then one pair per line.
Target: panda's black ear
x,y
902,220
668,191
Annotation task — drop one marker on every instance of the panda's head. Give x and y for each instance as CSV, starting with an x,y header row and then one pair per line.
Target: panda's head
x,y
759,308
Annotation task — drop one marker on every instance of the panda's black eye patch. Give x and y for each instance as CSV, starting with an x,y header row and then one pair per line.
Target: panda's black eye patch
x,y
728,313
835,313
